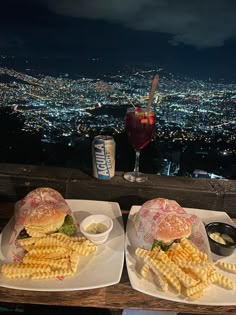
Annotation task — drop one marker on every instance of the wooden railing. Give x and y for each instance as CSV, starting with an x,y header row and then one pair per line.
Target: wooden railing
x,y
213,194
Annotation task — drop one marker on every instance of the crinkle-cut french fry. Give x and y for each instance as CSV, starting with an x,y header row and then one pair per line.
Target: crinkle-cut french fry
x,y
154,253
59,255
224,282
21,275
21,270
61,237
52,274
192,253
141,252
145,271
196,296
183,277
34,233
191,264
28,241
226,266
164,270
78,239
65,238
177,259
201,273
74,261
45,251
83,247
205,272
85,250
190,272
201,286
190,247
160,280
176,253
54,263
211,269
49,242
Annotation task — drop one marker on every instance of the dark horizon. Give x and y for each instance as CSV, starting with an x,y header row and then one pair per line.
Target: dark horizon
x,y
43,28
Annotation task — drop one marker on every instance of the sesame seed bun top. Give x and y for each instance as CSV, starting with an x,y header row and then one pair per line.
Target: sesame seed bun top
x,y
171,227
43,210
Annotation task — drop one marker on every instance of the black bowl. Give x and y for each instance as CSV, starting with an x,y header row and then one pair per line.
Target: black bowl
x,y
222,228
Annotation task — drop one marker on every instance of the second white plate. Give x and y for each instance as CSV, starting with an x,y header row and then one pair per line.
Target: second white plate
x,y
213,295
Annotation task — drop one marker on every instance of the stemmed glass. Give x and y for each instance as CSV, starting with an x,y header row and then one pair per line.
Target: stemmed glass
x,y
140,127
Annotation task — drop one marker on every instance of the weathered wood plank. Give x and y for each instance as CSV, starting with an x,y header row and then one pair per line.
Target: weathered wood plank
x,y
17,180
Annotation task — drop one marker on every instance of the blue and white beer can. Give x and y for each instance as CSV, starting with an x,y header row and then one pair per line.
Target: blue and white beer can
x,y
103,152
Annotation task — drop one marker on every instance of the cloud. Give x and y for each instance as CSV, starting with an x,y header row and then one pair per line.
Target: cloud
x,y
199,23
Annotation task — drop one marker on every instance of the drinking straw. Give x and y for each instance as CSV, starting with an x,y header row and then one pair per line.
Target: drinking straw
x,y
152,91
129,100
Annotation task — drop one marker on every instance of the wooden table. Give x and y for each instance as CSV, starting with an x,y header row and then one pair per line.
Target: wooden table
x,y
118,296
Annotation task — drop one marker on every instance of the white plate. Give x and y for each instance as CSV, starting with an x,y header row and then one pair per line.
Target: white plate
x,y
98,270
213,295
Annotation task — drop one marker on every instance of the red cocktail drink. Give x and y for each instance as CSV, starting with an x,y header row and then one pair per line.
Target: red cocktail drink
x,y
140,127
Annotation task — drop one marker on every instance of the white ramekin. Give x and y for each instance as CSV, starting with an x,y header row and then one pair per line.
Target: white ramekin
x,y
99,238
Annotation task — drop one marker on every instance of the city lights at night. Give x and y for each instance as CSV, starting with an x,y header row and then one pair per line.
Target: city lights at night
x,y
68,73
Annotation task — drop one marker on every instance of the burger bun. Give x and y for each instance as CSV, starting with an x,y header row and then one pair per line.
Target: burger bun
x,y
171,227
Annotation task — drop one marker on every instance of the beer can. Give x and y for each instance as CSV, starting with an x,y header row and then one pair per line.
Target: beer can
x,y
103,153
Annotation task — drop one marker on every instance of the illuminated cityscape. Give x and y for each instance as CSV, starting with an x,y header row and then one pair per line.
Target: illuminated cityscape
x,y
195,118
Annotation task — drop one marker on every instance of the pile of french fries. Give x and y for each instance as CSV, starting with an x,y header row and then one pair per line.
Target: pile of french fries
x,y
52,256
184,269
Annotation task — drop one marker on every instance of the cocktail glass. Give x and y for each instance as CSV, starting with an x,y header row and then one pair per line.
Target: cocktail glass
x,y
140,128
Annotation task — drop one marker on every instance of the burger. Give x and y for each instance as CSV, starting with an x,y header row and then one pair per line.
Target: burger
x,y
44,211
171,228
161,222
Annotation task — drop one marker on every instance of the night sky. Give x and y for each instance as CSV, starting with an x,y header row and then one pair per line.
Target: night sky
x,y
197,37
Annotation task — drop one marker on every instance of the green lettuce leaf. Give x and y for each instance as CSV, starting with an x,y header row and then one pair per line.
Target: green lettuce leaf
x,y
68,227
160,244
